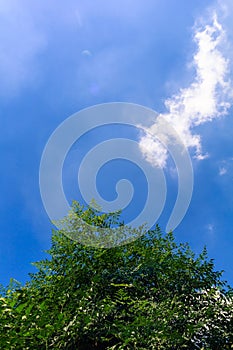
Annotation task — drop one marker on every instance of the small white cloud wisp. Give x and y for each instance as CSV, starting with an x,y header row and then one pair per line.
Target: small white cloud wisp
x,y
207,98
222,171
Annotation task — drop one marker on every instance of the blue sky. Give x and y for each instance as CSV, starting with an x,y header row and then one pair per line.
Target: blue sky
x,y
173,56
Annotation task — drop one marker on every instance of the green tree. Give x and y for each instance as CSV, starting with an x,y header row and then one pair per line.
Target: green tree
x,y
149,294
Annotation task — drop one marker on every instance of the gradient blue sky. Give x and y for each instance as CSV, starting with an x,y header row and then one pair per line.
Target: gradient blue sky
x,y
57,58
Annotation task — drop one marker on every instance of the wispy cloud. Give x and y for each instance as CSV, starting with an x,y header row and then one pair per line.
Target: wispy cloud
x,y
222,171
208,96
210,228
225,166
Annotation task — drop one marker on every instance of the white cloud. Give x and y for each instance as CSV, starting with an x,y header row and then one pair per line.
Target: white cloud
x,y
222,171
210,228
207,98
153,151
225,166
86,53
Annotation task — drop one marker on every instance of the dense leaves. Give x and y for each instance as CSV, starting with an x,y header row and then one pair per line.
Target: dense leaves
x,y
149,294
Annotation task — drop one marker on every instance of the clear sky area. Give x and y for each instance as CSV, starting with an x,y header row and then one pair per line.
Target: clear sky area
x,y
174,57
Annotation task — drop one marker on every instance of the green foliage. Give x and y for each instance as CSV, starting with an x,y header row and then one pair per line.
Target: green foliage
x,y
149,294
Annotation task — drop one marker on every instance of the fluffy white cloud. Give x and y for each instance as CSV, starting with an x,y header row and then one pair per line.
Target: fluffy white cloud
x,y
153,151
207,98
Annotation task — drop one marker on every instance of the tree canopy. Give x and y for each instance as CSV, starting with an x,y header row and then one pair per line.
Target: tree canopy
x,y
151,293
